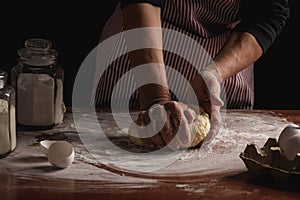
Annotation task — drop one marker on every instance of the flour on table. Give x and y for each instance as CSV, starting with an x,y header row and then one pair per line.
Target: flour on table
x,y
218,157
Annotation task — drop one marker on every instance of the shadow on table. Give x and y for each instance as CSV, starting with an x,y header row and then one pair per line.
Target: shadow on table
x,y
266,181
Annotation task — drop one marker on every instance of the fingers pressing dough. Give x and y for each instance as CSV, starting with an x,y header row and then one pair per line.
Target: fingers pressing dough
x,y
199,129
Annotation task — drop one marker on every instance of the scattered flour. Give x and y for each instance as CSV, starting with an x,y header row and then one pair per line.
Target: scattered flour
x,y
218,157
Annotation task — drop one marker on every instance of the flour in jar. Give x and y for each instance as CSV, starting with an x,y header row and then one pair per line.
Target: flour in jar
x,y
40,100
7,128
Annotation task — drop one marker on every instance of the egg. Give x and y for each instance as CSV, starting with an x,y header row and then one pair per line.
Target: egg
x,y
292,147
61,154
288,132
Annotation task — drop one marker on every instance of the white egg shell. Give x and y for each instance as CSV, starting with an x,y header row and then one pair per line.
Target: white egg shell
x,y
292,147
45,144
288,132
61,154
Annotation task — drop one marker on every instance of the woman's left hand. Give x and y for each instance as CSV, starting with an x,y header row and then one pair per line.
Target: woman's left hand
x,y
166,123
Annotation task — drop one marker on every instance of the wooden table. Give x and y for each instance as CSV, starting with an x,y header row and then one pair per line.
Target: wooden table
x,y
233,186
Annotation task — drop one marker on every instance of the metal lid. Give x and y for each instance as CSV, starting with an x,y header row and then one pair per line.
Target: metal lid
x,y
3,75
3,78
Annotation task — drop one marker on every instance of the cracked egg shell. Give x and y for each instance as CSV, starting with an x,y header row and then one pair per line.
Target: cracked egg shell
x,y
45,144
61,154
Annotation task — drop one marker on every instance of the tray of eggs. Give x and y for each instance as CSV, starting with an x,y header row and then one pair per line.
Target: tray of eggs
x,y
279,158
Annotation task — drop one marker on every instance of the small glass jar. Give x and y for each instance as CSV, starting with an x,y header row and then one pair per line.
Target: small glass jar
x,y
8,141
38,82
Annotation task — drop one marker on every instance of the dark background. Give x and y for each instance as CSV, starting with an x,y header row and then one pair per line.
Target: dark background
x,y
75,29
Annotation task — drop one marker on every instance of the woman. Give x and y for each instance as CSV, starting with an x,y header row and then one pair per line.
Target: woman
x,y
234,33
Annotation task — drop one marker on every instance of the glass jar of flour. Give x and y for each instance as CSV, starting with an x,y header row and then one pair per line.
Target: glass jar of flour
x,y
38,82
8,140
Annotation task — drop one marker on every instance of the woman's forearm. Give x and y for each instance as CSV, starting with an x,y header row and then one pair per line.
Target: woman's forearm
x,y
240,50
144,15
142,25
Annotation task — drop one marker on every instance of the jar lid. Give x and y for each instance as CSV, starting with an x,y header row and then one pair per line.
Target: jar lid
x,y
3,78
37,52
3,75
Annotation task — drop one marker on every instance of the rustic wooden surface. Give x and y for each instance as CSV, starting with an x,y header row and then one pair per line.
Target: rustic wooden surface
x,y
224,186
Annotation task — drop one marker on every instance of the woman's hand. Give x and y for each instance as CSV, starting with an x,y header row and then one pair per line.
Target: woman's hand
x,y
207,88
166,123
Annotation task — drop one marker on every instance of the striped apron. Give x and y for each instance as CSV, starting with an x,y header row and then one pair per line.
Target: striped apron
x,y
209,23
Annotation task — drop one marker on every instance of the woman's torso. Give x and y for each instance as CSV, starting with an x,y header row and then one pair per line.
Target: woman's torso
x,y
208,23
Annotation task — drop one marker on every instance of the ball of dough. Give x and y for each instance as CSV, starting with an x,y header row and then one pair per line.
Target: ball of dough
x,y
199,130
132,133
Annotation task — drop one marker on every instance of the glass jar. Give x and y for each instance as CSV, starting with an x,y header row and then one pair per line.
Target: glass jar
x,y
8,140
38,82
